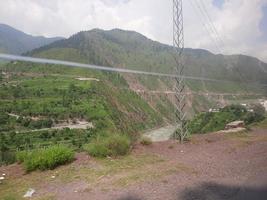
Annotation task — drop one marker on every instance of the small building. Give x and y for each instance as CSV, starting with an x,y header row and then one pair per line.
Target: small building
x,y
214,110
235,124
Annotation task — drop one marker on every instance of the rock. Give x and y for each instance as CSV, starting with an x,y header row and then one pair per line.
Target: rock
x,y
53,177
1,179
29,193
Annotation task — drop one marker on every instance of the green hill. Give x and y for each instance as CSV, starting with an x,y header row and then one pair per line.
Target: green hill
x,y
132,50
36,99
16,42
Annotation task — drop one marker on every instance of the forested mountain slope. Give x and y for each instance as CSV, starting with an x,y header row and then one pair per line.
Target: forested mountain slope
x,y
132,50
16,42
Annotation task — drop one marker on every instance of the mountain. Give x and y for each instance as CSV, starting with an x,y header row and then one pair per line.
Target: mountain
x,y
123,102
128,49
16,42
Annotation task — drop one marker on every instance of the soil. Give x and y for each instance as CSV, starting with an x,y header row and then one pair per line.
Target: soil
x,y
215,166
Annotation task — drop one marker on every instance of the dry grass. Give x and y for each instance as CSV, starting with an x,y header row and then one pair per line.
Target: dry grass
x,y
98,172
262,124
152,174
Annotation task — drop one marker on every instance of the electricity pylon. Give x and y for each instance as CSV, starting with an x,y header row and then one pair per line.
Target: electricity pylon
x,y
180,95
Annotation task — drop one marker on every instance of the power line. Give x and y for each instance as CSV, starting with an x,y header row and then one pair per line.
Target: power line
x,y
205,26
179,87
110,69
217,39
213,27
217,35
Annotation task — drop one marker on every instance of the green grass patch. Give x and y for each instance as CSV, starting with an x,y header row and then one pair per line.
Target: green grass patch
x,y
145,141
112,145
46,158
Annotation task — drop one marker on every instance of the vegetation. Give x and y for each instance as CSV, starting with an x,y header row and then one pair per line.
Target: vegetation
x,y
34,97
145,141
45,158
16,42
215,121
111,145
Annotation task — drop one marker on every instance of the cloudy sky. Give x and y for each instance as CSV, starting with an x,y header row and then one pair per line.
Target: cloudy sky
x,y
241,25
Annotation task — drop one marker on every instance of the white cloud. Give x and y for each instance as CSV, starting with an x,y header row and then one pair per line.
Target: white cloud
x,y
237,21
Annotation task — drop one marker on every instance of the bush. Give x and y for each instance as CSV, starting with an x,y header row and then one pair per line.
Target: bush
x,y
21,156
146,141
112,145
43,123
209,122
44,159
3,118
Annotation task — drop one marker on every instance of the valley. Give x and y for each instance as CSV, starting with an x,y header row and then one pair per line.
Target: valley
x,y
75,133
221,166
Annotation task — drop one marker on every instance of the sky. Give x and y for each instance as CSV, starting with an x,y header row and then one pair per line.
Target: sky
x,y
240,25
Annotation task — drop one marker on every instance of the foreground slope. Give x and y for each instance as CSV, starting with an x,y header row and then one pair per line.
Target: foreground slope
x,y
213,166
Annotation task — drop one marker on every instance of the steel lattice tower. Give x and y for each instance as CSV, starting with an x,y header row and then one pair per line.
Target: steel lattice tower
x,y
180,96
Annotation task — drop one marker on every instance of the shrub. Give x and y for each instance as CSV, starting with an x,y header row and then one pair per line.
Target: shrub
x,y
209,122
44,159
3,118
112,145
259,111
43,123
146,141
21,156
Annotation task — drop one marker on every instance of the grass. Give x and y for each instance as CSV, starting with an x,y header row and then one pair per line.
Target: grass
x,y
111,145
243,136
152,174
262,124
243,139
44,159
146,141
93,173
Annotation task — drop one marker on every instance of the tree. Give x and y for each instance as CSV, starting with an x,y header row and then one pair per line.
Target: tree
x,y
1,76
3,118
259,112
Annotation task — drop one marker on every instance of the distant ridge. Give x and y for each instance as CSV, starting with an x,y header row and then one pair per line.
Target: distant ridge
x,y
17,42
132,50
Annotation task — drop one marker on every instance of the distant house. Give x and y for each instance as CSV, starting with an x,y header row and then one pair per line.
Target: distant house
x,y
235,124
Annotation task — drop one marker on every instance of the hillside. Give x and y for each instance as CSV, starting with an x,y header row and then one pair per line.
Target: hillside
x,y
132,50
44,104
16,42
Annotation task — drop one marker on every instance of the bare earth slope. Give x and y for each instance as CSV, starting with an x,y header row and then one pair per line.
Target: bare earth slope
x,y
213,166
